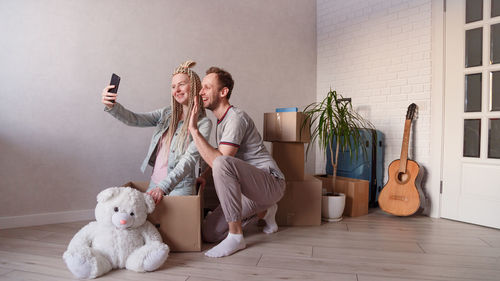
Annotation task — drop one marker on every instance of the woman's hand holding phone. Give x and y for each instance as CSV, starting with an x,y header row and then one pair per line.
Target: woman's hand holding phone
x,y
108,99
109,93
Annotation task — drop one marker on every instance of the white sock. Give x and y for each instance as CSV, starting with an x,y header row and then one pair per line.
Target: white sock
x,y
228,246
269,218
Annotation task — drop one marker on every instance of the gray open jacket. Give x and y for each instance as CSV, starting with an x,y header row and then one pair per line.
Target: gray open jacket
x,y
181,167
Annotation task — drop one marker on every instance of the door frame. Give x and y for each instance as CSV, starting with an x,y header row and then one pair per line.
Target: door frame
x,y
435,172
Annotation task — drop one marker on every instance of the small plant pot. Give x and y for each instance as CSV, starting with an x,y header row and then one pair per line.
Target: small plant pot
x,y
332,207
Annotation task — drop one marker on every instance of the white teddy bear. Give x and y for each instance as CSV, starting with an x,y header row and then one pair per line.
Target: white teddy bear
x,y
121,237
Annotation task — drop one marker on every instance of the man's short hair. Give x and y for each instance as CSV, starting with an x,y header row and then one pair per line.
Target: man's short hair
x,y
224,77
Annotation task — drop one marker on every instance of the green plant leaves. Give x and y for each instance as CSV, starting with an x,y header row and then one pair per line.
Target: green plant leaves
x,y
334,119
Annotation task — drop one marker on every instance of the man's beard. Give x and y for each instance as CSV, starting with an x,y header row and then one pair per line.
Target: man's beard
x,y
213,105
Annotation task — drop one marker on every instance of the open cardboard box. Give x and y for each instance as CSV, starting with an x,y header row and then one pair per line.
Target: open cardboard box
x,y
178,218
355,190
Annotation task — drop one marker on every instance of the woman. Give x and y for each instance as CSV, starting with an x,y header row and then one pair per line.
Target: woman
x,y
172,152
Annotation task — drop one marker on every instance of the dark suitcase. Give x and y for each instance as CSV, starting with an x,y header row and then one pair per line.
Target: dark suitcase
x,y
368,165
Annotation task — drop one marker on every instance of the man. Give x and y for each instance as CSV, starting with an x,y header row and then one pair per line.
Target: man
x,y
246,178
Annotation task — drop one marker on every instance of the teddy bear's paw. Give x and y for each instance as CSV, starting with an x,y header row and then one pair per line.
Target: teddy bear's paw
x,y
80,267
155,259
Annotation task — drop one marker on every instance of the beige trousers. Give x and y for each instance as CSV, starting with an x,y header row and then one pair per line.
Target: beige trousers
x,y
243,191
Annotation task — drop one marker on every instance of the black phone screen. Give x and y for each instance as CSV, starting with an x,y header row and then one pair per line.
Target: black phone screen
x,y
115,80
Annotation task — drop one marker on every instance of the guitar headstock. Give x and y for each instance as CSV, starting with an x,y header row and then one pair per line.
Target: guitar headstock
x,y
410,114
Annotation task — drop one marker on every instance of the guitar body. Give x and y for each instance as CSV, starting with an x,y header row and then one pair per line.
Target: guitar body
x,y
400,195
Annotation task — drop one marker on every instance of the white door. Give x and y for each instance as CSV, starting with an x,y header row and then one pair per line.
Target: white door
x,y
471,164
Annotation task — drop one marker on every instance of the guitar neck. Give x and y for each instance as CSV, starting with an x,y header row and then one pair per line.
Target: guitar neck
x,y
404,147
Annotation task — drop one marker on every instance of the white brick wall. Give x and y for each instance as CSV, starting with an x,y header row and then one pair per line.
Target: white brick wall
x,y
378,52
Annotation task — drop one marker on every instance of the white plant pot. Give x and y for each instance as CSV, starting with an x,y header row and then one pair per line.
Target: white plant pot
x,y
332,207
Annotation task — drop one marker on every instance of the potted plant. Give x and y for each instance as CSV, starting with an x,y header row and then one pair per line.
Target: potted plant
x,y
333,120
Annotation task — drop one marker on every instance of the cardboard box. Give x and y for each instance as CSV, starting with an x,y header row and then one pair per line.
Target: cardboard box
x,y
355,190
178,219
285,127
301,204
290,159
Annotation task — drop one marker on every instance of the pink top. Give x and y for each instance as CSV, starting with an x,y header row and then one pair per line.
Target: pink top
x,y
160,170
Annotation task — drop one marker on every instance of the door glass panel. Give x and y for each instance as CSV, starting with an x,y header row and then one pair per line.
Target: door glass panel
x,y
494,138
495,8
472,137
495,91
474,47
473,92
495,43
473,10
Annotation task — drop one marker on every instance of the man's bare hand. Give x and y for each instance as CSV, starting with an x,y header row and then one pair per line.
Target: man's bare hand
x,y
201,181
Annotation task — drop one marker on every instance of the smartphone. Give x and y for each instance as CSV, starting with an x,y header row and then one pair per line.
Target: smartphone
x,y
115,80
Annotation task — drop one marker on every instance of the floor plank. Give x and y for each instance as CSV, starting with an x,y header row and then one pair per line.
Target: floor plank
x,y
29,276
346,242
123,274
4,271
492,241
31,234
47,265
194,278
374,256
377,268
240,258
70,227
57,238
385,235
222,271
31,247
463,250
362,277
282,249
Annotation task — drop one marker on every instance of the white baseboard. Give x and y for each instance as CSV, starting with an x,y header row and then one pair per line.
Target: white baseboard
x,y
46,218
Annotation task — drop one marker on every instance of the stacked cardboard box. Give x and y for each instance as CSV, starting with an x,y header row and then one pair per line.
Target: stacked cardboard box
x,y
301,204
290,158
286,127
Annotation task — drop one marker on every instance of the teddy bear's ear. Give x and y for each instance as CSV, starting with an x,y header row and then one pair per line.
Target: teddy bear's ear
x,y
150,203
107,194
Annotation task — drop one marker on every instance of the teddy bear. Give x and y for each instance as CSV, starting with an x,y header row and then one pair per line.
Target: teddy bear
x,y
120,237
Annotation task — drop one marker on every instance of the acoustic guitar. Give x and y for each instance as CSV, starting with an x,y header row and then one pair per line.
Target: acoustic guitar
x,y
400,195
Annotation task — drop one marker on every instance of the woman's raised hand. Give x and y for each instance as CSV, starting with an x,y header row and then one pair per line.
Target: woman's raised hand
x,y
108,98
193,120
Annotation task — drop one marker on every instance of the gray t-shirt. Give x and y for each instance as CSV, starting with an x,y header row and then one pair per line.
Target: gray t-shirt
x,y
237,129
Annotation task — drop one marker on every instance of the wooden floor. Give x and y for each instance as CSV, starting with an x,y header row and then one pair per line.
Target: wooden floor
x,y
372,247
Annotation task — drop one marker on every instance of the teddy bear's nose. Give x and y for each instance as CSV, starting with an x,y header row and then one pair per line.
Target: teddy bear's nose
x,y
123,222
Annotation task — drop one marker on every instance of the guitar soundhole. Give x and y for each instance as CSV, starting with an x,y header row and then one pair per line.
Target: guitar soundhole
x,y
403,177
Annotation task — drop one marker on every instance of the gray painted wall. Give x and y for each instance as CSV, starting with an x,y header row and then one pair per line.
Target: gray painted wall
x,y
59,149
